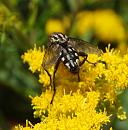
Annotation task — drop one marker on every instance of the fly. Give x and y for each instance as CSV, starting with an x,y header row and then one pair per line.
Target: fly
x,y
62,48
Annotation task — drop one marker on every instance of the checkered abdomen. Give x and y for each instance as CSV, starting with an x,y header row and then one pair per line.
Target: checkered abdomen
x,y
70,59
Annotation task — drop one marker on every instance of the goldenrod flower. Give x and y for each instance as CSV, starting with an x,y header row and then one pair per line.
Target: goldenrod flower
x,y
111,128
84,21
106,24
57,25
73,112
76,104
34,58
44,78
54,25
121,114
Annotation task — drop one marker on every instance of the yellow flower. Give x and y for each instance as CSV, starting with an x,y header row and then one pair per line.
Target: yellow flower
x,y
44,78
121,114
108,81
106,24
34,58
58,25
74,112
54,25
41,103
84,21
111,128
76,105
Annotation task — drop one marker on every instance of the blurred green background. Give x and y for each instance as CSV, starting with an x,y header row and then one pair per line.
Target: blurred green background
x,y
26,22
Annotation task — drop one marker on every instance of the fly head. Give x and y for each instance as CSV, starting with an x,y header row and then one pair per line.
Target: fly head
x,y
58,38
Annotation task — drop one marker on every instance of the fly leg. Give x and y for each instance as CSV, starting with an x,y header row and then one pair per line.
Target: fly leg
x,y
85,59
50,78
53,81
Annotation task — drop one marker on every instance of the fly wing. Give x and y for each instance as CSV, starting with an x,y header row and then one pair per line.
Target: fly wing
x,y
83,46
51,56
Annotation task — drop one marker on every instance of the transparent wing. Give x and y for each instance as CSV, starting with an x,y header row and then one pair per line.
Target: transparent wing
x,y
51,56
83,46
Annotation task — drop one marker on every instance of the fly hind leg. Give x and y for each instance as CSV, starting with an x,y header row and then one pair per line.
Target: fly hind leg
x,y
53,81
49,77
85,59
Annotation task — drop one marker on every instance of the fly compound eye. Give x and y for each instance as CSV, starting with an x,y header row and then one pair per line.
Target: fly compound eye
x,y
54,39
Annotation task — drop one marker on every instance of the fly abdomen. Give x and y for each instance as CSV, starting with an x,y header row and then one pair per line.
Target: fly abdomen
x,y
74,67
70,59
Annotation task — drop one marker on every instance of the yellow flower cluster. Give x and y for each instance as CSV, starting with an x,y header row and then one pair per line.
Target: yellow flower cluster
x,y
72,112
34,58
77,104
105,23
57,25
